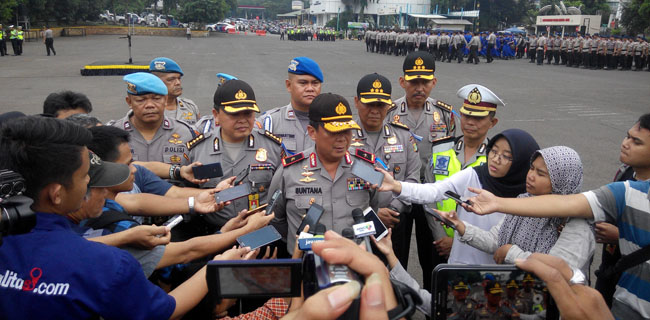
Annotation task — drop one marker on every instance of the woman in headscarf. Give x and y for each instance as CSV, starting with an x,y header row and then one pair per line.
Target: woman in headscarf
x,y
556,170
504,174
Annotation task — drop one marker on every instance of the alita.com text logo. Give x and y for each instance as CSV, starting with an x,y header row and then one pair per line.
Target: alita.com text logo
x,y
11,280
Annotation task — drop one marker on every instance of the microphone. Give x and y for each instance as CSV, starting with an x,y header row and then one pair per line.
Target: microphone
x,y
362,229
348,233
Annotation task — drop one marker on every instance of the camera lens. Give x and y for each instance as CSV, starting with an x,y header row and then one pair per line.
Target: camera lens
x,y
5,190
19,187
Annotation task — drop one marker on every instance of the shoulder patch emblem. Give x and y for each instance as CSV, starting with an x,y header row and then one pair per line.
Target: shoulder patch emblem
x,y
399,125
444,105
273,137
292,159
192,143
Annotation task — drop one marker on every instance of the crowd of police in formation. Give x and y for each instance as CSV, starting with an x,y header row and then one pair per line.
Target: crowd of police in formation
x,y
15,36
307,33
573,50
306,149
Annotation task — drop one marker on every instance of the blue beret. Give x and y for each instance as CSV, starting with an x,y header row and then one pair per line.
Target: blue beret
x,y
304,65
162,64
143,83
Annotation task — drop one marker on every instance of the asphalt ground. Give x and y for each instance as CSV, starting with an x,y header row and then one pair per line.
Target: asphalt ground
x,y
588,110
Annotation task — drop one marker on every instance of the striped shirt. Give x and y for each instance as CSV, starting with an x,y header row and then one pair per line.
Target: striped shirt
x,y
627,205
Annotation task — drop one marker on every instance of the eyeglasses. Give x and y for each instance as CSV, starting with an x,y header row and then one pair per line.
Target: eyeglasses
x,y
494,154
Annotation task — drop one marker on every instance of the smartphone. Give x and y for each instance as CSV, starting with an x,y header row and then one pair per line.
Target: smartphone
x,y
173,221
311,219
242,175
453,195
208,171
254,278
259,238
381,231
233,193
467,282
367,172
439,217
258,209
273,201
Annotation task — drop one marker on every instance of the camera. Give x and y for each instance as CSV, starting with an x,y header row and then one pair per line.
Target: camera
x,y
16,216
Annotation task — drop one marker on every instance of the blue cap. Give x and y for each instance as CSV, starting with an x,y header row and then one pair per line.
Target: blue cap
x,y
162,64
304,65
140,83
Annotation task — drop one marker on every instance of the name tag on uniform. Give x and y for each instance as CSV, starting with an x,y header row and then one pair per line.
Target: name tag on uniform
x,y
394,148
442,165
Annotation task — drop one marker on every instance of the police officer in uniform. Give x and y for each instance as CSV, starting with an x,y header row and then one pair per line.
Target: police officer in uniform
x,y
154,136
430,121
390,142
243,150
493,309
177,107
290,122
461,307
512,288
451,155
528,293
322,174
3,42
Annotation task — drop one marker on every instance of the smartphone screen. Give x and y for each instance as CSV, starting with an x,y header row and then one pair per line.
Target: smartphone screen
x,y
208,171
233,193
255,278
466,289
381,231
367,172
311,218
439,217
259,237
274,201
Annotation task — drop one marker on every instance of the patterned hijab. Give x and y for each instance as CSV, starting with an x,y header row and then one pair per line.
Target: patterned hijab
x,y
540,234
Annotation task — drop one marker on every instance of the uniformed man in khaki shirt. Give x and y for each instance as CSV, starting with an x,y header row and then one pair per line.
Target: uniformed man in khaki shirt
x,y
177,107
290,122
323,174
391,142
243,150
154,137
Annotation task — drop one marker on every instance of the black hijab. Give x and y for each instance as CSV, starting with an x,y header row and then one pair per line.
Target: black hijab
x,y
523,145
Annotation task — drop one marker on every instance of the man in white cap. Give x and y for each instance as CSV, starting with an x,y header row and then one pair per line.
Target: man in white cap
x,y
457,153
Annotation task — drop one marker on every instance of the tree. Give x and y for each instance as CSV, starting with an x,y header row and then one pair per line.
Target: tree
x,y
496,14
205,11
636,17
7,8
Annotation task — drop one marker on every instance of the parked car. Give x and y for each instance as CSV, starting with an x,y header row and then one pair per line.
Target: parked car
x,y
136,19
107,17
219,26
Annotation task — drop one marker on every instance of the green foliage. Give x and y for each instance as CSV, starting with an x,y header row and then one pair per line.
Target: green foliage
x,y
636,17
205,11
272,7
497,14
7,10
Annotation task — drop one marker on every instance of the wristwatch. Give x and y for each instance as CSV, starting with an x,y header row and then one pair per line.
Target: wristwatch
x,y
578,277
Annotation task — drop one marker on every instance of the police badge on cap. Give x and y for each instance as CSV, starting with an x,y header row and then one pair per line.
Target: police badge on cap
x,y
334,111
478,101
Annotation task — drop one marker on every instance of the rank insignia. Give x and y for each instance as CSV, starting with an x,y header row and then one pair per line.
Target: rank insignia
x,y
261,155
357,143
400,125
273,137
166,124
287,161
357,184
396,118
251,141
175,159
312,160
127,126
365,155
215,145
394,148
442,165
391,140
348,160
188,115
291,114
175,139
307,179
436,117
387,130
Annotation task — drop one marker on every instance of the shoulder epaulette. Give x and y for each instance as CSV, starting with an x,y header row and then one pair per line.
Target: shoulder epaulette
x,y
444,105
192,143
273,137
393,106
365,155
287,161
111,123
399,125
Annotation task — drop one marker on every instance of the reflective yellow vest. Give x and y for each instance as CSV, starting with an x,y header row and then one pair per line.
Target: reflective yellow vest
x,y
12,34
20,35
444,163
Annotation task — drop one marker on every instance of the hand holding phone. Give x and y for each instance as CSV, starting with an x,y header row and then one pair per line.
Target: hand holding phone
x,y
367,172
259,237
233,193
311,218
381,231
438,217
453,195
273,201
207,171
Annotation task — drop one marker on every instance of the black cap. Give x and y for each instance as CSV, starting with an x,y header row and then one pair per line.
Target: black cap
x,y
235,96
419,65
106,174
374,87
333,110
